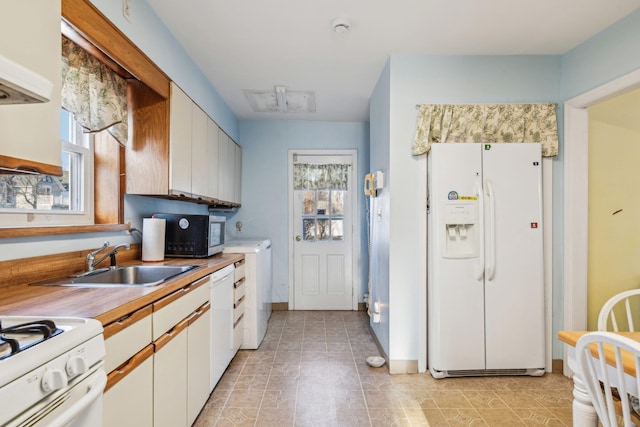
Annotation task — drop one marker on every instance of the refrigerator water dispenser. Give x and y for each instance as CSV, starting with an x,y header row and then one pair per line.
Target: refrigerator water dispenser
x,y
460,230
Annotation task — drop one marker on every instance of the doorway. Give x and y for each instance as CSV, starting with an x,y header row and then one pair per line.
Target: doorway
x,y
576,206
322,219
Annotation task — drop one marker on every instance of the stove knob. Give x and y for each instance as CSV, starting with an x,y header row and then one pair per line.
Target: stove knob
x,y
53,379
77,365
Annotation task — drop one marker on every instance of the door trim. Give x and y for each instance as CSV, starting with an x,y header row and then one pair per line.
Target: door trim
x,y
576,202
355,224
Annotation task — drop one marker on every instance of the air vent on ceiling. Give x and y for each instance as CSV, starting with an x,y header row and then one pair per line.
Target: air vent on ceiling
x,y
281,100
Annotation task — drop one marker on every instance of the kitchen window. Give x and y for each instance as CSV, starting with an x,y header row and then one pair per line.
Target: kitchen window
x,y
39,200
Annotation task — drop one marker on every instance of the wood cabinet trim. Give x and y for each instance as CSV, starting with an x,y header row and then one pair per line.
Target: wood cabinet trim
x,y
6,232
24,271
126,368
117,326
179,293
85,18
16,165
171,334
199,312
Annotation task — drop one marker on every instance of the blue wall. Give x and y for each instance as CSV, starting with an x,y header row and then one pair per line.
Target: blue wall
x,y
379,116
264,211
150,34
418,79
608,55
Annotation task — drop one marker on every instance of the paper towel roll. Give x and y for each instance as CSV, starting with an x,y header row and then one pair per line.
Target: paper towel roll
x,y
153,230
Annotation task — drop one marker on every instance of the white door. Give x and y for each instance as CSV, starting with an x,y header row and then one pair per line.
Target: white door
x,y
514,282
455,259
322,216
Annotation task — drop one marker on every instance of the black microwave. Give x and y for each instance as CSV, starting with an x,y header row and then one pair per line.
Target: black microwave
x,y
193,236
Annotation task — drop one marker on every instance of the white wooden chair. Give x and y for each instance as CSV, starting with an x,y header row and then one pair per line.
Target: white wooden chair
x,y
607,312
599,377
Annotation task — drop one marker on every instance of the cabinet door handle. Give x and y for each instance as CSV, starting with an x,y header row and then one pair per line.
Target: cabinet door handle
x,y
237,304
238,283
126,368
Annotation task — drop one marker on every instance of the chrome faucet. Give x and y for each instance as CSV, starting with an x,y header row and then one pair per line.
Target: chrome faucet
x,y
91,256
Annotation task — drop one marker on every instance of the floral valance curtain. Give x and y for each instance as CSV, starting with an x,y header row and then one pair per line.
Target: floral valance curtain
x,y
486,123
95,95
320,177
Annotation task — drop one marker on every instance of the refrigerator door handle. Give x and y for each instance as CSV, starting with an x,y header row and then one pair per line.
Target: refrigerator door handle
x,y
491,267
480,266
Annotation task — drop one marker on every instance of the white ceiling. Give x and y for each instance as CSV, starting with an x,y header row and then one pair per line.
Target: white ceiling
x,y
257,44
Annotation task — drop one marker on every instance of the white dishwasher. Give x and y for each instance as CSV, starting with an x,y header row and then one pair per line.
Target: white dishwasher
x,y
222,346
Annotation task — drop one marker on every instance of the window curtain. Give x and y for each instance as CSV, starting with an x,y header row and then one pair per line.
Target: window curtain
x,y
95,95
320,177
486,123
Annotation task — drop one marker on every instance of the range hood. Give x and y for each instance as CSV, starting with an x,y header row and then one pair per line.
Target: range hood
x,y
19,85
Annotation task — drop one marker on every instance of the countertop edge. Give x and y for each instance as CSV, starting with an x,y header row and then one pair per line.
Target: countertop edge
x,y
57,301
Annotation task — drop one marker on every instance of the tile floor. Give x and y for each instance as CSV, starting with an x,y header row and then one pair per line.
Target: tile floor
x,y
310,371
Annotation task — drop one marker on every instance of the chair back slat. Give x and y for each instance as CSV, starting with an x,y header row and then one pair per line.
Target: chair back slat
x,y
607,312
627,306
599,376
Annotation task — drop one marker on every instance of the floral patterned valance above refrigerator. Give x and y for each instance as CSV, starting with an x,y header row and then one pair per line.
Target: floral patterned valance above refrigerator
x,y
437,123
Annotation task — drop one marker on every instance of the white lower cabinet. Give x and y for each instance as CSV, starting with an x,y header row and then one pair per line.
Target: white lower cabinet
x,y
128,400
198,361
238,305
170,378
159,361
128,397
181,359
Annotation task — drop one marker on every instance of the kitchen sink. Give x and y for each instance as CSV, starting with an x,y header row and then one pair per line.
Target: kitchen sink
x,y
132,275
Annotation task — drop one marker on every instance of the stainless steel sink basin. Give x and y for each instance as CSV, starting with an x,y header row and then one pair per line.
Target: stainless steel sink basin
x,y
133,275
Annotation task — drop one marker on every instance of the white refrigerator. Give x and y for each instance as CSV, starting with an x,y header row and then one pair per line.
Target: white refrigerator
x,y
485,285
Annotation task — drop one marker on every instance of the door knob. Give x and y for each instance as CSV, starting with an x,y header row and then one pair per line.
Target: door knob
x,y
298,238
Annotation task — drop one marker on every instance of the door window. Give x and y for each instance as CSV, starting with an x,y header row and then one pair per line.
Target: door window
x,y
322,215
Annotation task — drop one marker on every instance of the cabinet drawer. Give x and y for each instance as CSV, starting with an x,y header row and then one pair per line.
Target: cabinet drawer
x,y
171,309
239,271
238,309
238,332
238,289
126,337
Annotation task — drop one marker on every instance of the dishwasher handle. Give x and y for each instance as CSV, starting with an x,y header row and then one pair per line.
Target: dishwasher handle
x,y
222,274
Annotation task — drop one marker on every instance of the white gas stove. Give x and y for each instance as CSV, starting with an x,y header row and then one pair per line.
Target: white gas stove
x,y
51,371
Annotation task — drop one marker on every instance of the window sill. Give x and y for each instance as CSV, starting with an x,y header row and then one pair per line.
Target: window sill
x,y
6,233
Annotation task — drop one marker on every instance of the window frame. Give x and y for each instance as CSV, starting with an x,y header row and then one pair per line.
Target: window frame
x,y
83,216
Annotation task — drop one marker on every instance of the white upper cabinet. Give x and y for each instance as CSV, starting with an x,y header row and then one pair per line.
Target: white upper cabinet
x,y
180,134
237,179
200,168
224,144
30,37
212,166
204,163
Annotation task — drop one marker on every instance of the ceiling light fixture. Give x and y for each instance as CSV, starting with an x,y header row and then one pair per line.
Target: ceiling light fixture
x,y
340,25
281,98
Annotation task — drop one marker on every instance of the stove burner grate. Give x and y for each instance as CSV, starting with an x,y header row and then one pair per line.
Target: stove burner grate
x,y
17,338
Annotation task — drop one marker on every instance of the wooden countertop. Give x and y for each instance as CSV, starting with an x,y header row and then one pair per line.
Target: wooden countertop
x,y
106,304
571,338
